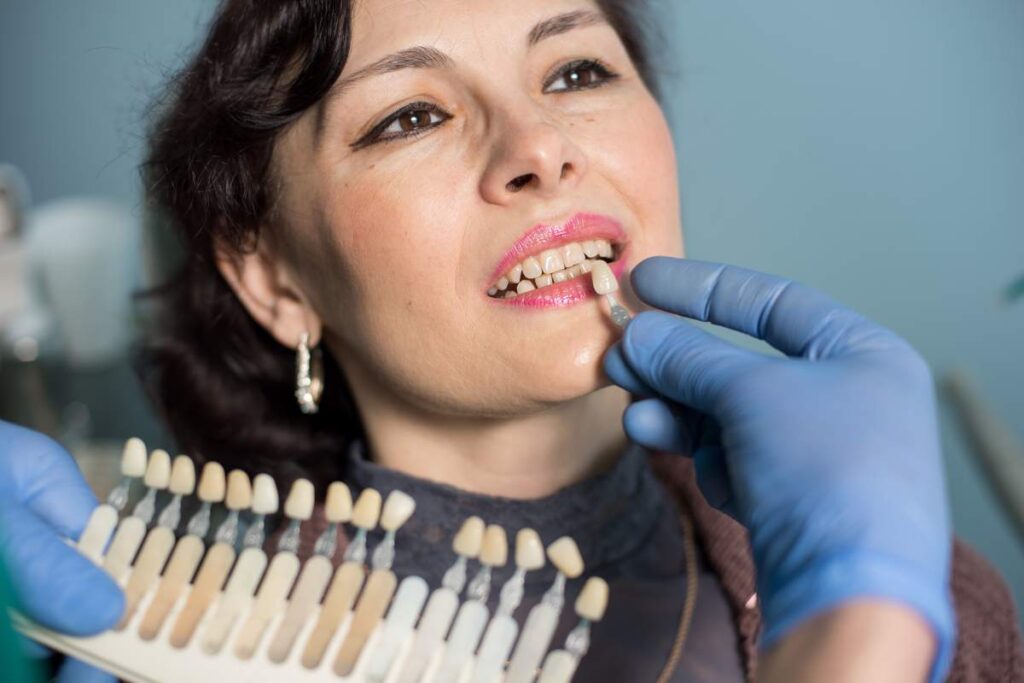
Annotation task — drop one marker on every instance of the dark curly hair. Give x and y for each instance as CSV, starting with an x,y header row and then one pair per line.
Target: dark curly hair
x,y
224,386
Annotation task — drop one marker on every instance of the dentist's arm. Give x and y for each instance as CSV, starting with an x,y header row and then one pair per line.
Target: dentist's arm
x,y
829,456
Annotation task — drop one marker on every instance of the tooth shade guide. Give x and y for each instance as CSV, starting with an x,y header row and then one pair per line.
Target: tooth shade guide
x,y
301,500
444,602
208,582
338,505
503,629
188,552
158,470
537,632
565,555
367,509
180,569
237,595
103,520
134,458
98,530
341,595
183,476
309,589
212,483
380,587
146,570
263,494
203,604
131,531
398,625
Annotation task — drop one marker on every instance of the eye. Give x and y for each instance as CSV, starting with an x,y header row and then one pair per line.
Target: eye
x,y
581,74
411,120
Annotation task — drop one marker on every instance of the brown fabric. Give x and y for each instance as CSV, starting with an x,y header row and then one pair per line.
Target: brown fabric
x,y
989,644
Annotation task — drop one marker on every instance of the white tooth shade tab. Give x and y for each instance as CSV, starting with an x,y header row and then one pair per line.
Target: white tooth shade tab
x,y
494,551
338,507
240,492
264,494
367,509
603,278
593,599
158,470
183,476
133,458
529,550
212,483
398,508
564,554
300,501
467,542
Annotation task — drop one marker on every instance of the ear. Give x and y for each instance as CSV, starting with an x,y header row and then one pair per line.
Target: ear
x,y
267,289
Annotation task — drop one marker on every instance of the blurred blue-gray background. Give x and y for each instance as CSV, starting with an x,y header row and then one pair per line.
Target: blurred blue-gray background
x,y
874,150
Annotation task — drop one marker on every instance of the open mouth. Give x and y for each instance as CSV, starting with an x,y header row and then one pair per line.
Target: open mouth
x,y
554,266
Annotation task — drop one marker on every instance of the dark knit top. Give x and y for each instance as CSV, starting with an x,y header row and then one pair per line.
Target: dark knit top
x,y
627,524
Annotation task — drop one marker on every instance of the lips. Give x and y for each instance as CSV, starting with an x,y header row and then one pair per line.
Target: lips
x,y
550,264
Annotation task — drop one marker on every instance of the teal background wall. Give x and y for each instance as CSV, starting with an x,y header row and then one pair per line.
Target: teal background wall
x,y
874,150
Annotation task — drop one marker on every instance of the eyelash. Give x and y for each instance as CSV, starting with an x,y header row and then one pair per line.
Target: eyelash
x,y
605,74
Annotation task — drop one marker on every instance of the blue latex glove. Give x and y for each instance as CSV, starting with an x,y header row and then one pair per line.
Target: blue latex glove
x,y
829,456
43,499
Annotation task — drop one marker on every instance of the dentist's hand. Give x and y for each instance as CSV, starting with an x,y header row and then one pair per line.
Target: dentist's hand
x,y
43,498
829,456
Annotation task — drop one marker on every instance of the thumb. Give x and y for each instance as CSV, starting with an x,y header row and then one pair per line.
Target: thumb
x,y
54,584
682,363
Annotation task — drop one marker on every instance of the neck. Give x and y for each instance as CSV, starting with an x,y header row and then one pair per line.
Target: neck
x,y
525,456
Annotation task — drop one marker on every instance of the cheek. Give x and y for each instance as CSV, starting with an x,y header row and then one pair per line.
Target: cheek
x,y
637,155
391,227
397,238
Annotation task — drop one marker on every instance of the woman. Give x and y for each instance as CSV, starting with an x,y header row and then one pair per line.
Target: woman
x,y
407,187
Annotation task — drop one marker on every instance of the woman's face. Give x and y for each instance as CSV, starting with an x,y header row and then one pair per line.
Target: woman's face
x,y
515,140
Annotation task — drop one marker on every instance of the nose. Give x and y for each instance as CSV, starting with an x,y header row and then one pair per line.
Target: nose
x,y
535,157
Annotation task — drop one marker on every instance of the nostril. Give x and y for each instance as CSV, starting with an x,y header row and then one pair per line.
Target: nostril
x,y
517,184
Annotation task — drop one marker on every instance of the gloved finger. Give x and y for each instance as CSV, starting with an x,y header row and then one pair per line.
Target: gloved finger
x,y
619,372
653,423
77,671
795,319
683,363
713,478
55,585
32,649
37,472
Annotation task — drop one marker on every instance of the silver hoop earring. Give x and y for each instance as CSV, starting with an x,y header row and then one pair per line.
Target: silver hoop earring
x,y
309,376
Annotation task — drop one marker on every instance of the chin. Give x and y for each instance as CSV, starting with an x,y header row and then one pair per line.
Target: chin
x,y
573,373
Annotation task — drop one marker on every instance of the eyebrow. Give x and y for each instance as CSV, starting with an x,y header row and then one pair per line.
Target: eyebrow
x,y
426,57
419,57
563,23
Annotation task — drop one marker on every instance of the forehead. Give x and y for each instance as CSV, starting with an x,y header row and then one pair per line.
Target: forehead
x,y
467,27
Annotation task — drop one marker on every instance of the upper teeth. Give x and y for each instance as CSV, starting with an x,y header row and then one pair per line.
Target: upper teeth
x,y
551,267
